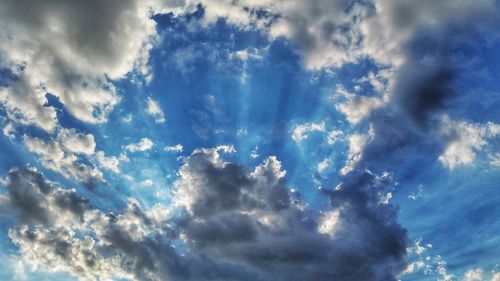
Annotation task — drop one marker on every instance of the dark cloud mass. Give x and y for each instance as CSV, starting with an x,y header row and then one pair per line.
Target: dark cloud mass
x,y
233,224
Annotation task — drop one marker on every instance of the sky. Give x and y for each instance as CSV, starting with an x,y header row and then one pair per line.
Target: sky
x,y
244,140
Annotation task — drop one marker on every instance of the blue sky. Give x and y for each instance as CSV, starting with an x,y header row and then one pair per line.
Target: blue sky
x,y
250,140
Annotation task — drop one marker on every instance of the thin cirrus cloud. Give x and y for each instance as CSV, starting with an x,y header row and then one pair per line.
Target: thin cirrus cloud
x,y
300,135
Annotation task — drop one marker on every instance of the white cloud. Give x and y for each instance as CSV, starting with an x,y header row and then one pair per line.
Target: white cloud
x,y
318,28
474,275
329,223
175,148
465,141
110,163
414,266
143,145
323,165
418,248
356,107
155,111
495,160
334,136
76,142
301,132
124,158
54,156
357,143
8,130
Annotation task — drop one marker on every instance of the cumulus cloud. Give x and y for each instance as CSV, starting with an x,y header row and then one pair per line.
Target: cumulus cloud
x,y
143,145
253,219
233,223
154,110
71,50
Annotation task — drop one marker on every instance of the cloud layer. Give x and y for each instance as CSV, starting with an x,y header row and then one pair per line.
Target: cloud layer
x,y
228,224
407,87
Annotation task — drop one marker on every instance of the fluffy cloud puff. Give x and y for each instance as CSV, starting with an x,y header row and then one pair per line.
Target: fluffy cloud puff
x,y
232,224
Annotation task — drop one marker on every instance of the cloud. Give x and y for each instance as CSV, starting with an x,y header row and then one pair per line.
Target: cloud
x,y
155,111
111,163
332,33
255,152
55,156
76,142
71,50
233,224
175,148
356,107
143,145
301,132
334,136
357,144
425,262
323,165
422,88
8,130
59,230
254,220
474,275
465,140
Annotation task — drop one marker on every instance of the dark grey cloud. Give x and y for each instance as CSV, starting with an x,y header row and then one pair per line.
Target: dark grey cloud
x,y
263,229
422,90
231,223
27,192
